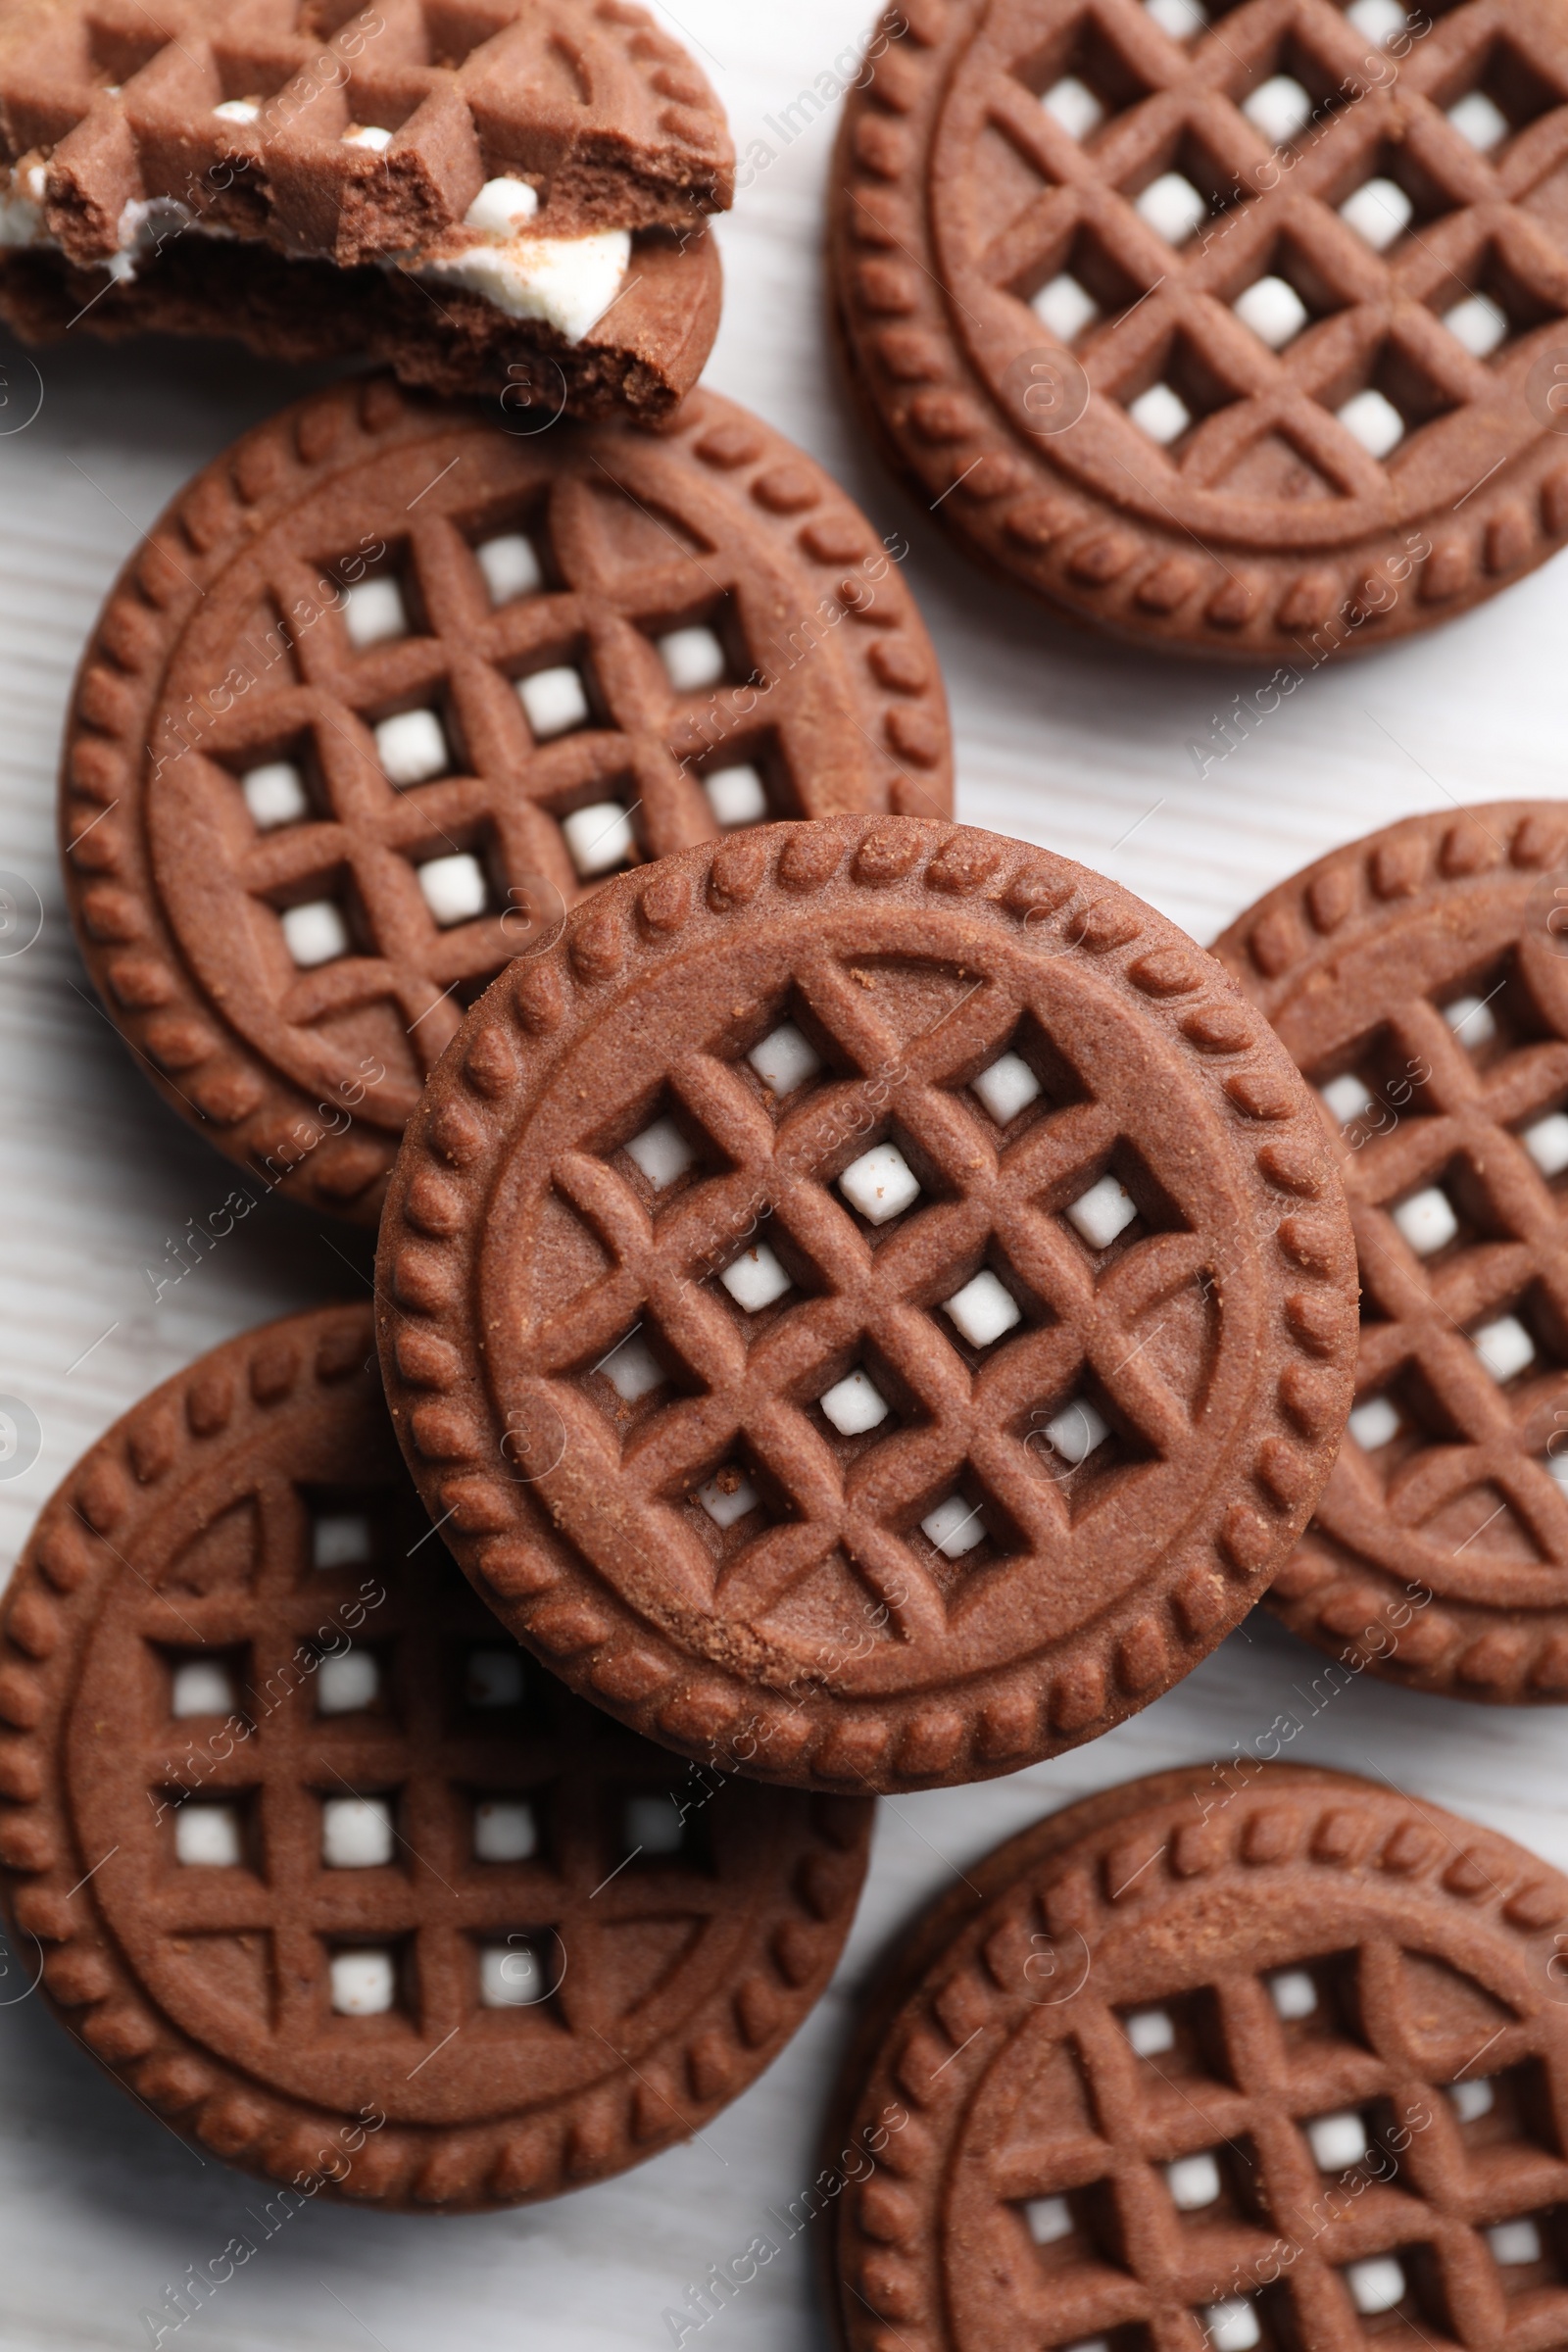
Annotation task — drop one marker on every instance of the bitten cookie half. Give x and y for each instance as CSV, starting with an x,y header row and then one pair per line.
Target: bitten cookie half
x,y
1240,333
509,196
1419,979
390,687
872,1304
313,1860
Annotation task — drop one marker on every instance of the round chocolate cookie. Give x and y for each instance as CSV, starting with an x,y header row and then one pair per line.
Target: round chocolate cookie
x,y
1271,2061
1240,331
871,1306
323,1867
1418,978
391,685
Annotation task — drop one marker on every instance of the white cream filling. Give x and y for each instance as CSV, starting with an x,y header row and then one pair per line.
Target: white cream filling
x,y
566,283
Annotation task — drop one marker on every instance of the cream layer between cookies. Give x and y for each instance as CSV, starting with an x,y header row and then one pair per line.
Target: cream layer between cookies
x,y
564,282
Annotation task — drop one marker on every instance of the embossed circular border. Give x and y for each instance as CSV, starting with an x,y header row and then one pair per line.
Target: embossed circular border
x,y
1476,1652
1112,1863
432,1353
939,427
200,1065
49,1610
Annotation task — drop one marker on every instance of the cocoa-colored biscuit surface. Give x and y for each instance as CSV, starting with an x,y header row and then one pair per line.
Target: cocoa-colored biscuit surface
x,y
227,649
251,1523
1272,2058
108,111
863,1489
1419,976
994,171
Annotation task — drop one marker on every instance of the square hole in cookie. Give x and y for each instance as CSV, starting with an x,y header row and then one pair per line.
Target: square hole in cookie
x,y
757,1277
737,795
555,700
1273,310
693,658
351,1683
1347,1096
1281,107
632,1369
209,1836
1379,211
1102,1212
1378,21
277,794
1173,2041
357,1833
411,747
363,1980
1184,389
208,1684
880,1185
375,613
343,1538
955,1526
315,933
1479,323
1183,20
1234,2323
1546,1142
1473,1020
652,1827
521,1973
785,1059
1172,207
1317,2001
854,1404
509,566
728,1496
1400,398
1194,2181
1075,284
1503,1347
1075,105
1426,1220
1161,414
1480,121
504,1830
1375,1423
1071,1435
1372,418
493,1679
662,1153
600,838
1338,2142
984,1310
1007,1087
455,888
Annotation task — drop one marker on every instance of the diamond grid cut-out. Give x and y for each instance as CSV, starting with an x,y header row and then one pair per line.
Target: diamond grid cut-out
x,y
864,1408
1465,1188
469,1804
1252,2106
406,736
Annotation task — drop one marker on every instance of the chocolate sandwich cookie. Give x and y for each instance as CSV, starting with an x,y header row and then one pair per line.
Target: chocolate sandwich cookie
x,y
1272,2063
388,687
1418,980
510,195
323,1867
1234,331
871,1306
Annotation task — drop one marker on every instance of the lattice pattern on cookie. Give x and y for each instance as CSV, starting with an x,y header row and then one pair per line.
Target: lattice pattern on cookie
x,y
399,1800
855,1454
436,770
352,1839
404,754
1170,206
1358,2139
1449,1085
365,132
972,1326
1306,279
1297,2165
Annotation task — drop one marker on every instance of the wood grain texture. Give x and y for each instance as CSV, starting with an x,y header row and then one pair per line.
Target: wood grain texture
x,y
1060,741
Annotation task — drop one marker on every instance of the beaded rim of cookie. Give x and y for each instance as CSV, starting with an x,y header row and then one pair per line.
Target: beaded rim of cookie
x,y
1418,978
309,809
1243,2057
688,1339
1238,338
328,1901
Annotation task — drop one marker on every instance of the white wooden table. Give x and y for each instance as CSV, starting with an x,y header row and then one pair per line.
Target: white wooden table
x,y
1060,741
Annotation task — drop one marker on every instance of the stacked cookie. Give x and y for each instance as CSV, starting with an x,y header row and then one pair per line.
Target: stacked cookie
x,y
863,1304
